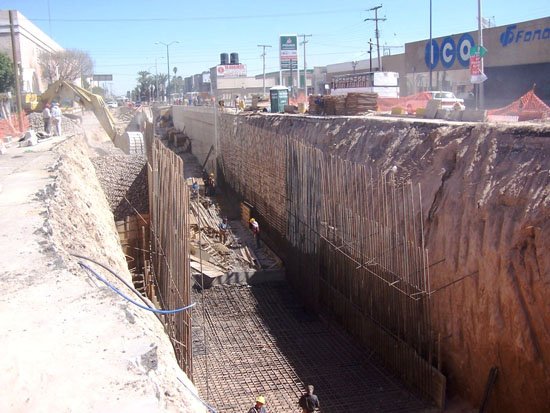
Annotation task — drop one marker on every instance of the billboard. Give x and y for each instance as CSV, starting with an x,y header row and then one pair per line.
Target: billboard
x,y
102,78
231,70
288,51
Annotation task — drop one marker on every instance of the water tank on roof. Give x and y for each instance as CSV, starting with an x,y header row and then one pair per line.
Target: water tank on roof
x,y
224,59
234,58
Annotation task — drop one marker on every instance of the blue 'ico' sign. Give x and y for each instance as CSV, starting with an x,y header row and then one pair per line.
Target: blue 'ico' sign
x,y
435,54
465,43
450,51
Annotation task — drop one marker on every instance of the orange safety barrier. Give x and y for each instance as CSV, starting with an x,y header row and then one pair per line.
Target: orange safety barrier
x,y
10,126
527,107
410,103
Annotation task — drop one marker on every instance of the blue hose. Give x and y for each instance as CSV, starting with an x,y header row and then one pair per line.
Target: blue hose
x,y
197,397
116,290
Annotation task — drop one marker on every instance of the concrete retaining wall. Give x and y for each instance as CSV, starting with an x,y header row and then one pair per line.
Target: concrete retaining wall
x,y
198,123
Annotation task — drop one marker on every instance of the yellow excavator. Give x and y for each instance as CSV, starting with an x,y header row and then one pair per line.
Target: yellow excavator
x,y
62,89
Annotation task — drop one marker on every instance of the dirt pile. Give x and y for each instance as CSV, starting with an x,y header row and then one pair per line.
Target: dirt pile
x,y
486,203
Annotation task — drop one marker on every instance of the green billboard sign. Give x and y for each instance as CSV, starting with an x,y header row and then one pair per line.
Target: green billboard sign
x,y
288,51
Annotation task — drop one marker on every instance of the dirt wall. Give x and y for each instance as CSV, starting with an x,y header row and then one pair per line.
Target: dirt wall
x,y
486,203
107,344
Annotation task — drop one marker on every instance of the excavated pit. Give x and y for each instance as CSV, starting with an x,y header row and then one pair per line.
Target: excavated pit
x,y
260,340
486,200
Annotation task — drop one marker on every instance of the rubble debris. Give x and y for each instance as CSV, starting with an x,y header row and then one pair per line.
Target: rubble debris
x,y
217,258
69,127
124,176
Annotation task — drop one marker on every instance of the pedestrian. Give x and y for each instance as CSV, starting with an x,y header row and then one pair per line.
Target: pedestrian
x,y
259,406
56,116
255,227
309,402
47,117
224,229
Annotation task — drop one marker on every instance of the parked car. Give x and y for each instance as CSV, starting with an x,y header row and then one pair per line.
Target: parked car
x,y
112,104
448,100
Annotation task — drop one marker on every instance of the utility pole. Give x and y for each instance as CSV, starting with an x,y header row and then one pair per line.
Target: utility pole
x,y
481,97
377,33
431,47
263,56
304,41
370,54
16,73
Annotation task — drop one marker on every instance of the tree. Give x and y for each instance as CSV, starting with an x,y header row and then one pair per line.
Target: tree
x,y
144,81
7,77
96,90
66,65
160,81
177,82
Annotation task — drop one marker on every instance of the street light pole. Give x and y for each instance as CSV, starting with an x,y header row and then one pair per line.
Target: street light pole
x,y
168,66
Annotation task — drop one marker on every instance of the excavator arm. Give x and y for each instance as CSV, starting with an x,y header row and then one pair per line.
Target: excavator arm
x,y
90,101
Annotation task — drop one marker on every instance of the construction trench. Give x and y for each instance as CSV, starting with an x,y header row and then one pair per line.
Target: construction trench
x,y
383,249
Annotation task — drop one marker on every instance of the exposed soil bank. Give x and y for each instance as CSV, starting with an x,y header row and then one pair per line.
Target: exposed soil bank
x,y
69,343
486,203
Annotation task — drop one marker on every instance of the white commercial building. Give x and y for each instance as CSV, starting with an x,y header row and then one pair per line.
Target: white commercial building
x,y
30,43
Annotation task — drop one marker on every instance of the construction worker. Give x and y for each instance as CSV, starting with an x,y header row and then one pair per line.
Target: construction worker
x,y
56,115
47,118
211,186
309,402
259,406
224,229
255,227
195,190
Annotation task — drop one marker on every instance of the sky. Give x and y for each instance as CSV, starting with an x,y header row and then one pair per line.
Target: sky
x,y
120,35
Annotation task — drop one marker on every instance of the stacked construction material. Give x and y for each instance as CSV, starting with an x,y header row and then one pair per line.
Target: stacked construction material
x,y
357,103
315,108
335,105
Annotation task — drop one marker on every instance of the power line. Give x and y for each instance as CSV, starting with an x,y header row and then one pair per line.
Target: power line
x,y
195,18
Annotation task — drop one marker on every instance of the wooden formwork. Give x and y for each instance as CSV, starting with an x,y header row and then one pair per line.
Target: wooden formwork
x,y
133,233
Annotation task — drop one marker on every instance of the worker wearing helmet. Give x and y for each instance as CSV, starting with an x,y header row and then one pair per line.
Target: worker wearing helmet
x,y
255,227
209,183
259,406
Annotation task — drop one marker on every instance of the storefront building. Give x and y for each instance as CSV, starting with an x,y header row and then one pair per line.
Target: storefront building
x,y
518,57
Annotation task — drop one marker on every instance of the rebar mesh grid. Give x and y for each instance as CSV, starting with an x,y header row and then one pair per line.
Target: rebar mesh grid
x,y
261,341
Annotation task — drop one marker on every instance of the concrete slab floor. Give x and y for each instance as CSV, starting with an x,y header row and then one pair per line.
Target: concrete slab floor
x,y
261,342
